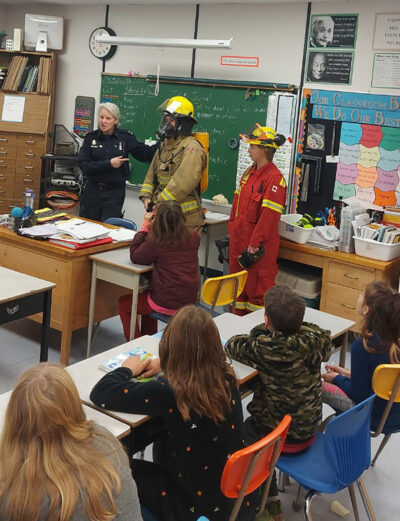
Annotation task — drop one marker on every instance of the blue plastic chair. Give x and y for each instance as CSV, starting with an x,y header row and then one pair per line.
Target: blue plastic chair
x,y
124,223
337,458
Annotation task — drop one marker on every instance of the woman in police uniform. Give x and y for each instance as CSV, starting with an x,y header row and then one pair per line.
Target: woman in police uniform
x,y
104,161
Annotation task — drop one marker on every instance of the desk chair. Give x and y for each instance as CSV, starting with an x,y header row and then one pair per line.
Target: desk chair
x,y
124,223
220,291
216,291
248,468
386,385
336,459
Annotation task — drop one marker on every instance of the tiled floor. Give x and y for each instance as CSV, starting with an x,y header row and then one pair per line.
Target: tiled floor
x,y
19,349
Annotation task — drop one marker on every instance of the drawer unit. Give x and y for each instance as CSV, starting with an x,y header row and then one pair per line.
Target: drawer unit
x,y
28,166
6,180
7,167
26,140
6,205
30,152
342,301
6,191
21,183
350,275
8,151
6,138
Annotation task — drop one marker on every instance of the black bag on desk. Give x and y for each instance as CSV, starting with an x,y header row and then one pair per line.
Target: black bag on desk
x,y
24,223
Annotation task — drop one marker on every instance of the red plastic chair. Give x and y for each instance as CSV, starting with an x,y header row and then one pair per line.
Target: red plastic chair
x,y
248,468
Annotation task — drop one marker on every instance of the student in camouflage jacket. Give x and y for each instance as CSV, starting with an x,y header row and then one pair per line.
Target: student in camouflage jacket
x,y
287,353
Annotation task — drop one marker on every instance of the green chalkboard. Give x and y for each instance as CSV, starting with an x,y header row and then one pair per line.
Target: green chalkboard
x,y
222,109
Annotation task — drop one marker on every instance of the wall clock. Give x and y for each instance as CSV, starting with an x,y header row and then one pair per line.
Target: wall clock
x,y
103,51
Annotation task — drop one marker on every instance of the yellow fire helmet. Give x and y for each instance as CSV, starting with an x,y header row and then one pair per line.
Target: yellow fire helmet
x,y
264,136
179,106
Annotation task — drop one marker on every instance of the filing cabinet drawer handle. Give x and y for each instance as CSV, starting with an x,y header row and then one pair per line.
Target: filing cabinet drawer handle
x,y
28,167
28,180
3,166
352,277
4,139
3,152
29,154
2,191
30,142
348,306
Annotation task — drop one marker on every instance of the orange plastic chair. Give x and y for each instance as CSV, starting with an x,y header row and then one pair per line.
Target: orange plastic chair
x,y
386,385
220,291
248,468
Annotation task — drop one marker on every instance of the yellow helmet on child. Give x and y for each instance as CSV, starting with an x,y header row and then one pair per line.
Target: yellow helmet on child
x,y
264,136
178,106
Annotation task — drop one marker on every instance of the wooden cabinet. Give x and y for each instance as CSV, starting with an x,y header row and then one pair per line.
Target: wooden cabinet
x,y
344,275
23,143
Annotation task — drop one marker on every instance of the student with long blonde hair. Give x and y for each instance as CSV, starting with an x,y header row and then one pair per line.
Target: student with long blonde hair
x,y
198,399
54,464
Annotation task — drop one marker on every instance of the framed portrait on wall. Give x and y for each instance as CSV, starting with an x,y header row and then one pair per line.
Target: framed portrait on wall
x,y
336,31
329,67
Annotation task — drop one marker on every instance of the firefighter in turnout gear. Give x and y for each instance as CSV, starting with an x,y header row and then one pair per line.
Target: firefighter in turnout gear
x,y
253,224
176,169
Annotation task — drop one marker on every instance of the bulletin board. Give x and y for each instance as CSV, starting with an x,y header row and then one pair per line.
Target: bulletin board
x,y
223,109
361,132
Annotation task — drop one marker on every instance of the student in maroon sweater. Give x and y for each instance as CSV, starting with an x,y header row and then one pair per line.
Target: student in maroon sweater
x,y
172,248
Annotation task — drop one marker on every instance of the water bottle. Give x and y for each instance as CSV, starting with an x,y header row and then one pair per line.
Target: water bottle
x,y
29,197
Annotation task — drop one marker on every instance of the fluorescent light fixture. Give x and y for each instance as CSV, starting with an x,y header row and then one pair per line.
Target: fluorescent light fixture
x,y
167,42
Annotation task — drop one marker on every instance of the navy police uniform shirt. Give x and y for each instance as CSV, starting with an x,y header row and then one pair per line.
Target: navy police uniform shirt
x,y
98,148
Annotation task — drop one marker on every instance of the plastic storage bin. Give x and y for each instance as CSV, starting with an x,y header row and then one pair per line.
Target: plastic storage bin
x,y
294,233
306,284
376,250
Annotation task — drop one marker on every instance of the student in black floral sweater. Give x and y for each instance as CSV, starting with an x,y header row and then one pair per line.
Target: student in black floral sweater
x,y
198,398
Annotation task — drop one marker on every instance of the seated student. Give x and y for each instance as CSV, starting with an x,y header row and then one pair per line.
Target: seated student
x,y
287,353
172,248
378,344
198,398
54,463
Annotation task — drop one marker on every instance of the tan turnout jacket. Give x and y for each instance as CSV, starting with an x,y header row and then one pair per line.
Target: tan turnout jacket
x,y
175,174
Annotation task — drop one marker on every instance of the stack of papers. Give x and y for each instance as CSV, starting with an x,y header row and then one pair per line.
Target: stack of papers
x,y
82,230
121,234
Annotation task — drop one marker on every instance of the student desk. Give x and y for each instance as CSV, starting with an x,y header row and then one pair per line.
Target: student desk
x,y
215,223
117,428
70,271
21,296
115,267
344,275
87,373
338,326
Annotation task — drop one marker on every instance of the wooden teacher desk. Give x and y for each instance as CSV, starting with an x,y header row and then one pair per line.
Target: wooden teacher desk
x,y
70,270
344,275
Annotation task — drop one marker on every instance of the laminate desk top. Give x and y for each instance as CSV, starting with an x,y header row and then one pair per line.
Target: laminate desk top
x,y
229,324
117,428
87,373
336,325
120,259
14,284
319,253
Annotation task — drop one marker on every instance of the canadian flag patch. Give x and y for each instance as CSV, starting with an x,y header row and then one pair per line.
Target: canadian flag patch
x,y
274,188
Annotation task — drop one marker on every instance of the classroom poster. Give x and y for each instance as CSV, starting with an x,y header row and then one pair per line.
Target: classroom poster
x,y
368,171
333,30
329,67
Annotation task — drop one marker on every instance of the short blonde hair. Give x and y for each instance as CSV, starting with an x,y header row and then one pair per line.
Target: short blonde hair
x,y
112,108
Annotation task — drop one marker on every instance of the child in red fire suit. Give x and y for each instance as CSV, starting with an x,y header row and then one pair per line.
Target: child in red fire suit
x,y
256,211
